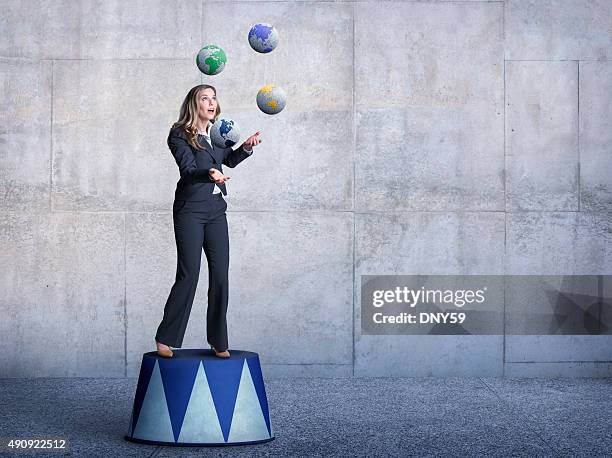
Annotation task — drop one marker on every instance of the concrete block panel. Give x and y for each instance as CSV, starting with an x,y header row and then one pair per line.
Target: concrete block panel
x,y
436,243
429,356
277,371
563,243
566,348
25,140
110,125
542,136
567,243
290,287
429,102
559,369
358,2
150,272
595,136
90,29
63,294
427,243
422,54
405,161
301,163
558,29
313,61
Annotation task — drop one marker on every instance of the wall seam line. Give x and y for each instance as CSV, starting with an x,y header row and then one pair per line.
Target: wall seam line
x,y
354,120
578,134
505,194
125,316
51,143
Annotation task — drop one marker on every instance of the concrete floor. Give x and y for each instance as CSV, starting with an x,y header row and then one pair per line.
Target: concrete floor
x,y
341,417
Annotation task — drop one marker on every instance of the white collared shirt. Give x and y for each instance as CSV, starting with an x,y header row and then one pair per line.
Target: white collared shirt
x,y
206,136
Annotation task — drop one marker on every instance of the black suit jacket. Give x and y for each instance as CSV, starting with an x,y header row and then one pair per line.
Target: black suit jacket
x,y
195,182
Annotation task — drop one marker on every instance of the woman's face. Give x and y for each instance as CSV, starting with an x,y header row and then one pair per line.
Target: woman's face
x,y
207,105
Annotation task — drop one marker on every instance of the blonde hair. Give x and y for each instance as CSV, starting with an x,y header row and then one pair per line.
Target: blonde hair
x,y
188,116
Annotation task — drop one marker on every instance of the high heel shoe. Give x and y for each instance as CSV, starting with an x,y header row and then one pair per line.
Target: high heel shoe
x,y
165,352
221,354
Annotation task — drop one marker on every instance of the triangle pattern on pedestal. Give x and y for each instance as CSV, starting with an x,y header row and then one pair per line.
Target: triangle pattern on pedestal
x,y
201,424
154,420
178,377
223,379
258,381
248,422
146,370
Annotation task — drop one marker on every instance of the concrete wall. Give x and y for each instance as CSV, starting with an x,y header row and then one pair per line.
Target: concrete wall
x,y
463,137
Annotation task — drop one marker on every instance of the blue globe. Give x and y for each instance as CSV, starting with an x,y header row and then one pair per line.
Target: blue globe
x,y
263,38
224,133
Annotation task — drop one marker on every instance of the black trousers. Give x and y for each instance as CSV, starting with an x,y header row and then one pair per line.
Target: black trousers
x,y
198,225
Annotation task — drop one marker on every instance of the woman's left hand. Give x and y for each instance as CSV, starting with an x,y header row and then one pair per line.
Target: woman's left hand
x,y
252,141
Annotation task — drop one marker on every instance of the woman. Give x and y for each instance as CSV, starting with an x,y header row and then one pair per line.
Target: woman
x,y
200,220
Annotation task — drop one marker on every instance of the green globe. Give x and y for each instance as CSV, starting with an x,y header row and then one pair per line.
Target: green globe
x,y
211,60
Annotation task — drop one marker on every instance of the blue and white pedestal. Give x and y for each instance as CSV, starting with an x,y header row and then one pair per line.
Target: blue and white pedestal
x,y
196,398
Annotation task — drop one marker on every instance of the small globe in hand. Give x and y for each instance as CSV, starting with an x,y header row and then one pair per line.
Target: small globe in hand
x,y
271,99
224,133
263,38
211,60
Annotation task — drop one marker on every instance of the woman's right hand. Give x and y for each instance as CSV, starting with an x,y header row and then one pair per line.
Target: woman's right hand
x,y
218,176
